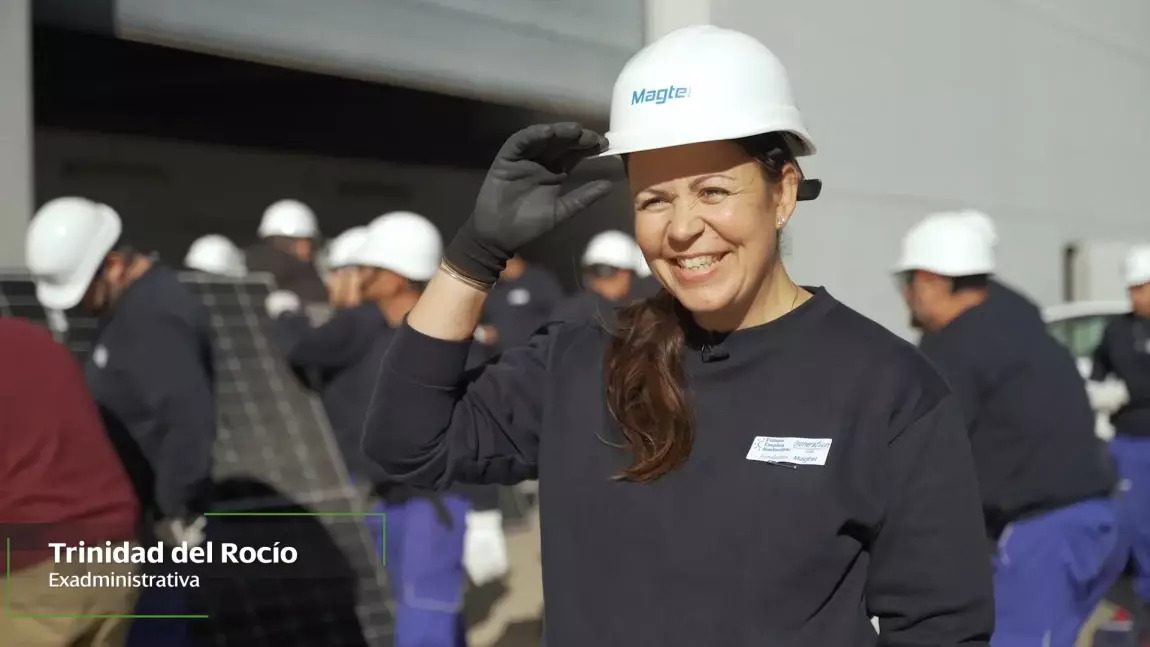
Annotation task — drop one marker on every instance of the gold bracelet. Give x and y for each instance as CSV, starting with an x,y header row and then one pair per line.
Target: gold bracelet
x,y
454,273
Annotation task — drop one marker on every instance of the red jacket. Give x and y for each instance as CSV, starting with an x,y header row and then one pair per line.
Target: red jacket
x,y
60,477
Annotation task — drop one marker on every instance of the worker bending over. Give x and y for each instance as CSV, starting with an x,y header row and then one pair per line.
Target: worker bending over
x,y
609,265
1044,484
1125,352
425,530
151,371
59,478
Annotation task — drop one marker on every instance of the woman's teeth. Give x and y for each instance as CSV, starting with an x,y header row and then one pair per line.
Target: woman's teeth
x,y
697,262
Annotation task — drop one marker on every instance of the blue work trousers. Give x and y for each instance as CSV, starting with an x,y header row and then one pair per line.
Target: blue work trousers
x,y
1052,569
1132,456
425,569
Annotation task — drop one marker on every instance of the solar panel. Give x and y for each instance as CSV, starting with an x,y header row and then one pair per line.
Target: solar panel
x,y
279,477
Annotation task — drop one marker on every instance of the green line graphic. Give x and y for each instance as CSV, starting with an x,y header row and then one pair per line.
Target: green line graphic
x,y
191,616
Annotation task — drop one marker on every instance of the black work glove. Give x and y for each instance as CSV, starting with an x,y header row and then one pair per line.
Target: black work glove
x,y
519,199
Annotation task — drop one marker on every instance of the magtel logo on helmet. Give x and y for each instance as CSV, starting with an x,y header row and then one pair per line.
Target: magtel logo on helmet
x,y
660,96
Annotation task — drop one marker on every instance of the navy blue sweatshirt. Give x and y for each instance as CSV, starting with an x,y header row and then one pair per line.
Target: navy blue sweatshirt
x,y
520,306
1026,408
340,361
644,287
1125,352
724,550
1010,299
152,374
586,306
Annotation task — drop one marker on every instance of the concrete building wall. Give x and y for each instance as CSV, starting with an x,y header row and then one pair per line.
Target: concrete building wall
x,y
15,130
169,192
1033,110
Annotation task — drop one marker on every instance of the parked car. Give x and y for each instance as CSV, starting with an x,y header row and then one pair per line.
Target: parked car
x,y
1079,326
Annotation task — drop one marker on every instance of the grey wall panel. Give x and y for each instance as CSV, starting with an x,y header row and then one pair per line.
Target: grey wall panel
x,y
1033,110
15,129
559,54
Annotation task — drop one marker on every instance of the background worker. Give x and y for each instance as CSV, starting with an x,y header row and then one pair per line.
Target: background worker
x,y
1125,352
521,302
425,530
1005,295
609,264
645,284
742,461
1044,484
342,278
151,372
288,232
215,254
60,481
338,358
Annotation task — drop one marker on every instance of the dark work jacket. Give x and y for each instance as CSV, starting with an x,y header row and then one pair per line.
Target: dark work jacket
x,y
586,306
152,374
872,481
291,274
518,307
1125,352
644,288
340,360
1026,408
1020,305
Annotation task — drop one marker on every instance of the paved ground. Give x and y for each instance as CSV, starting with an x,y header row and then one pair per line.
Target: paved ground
x,y
508,615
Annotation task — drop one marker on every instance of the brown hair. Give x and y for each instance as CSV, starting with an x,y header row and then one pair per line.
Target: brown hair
x,y
646,390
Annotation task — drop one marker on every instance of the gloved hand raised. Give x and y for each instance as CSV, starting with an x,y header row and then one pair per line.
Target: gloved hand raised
x,y
519,199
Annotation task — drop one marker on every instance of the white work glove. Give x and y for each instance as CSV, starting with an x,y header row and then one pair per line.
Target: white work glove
x,y
281,301
484,547
1107,396
174,532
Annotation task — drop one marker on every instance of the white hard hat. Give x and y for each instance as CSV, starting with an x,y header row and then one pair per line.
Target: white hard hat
x,y
983,223
290,218
949,245
1136,269
642,269
404,242
342,248
215,254
66,244
614,249
703,83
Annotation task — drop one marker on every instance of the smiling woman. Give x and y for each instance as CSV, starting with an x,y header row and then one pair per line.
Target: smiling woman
x,y
741,461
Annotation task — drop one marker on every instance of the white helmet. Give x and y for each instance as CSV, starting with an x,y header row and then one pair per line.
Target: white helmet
x,y
614,249
948,245
703,83
342,248
215,254
642,269
1137,266
66,244
404,242
290,218
982,222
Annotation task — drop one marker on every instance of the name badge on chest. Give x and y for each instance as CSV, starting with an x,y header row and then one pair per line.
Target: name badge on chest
x,y
797,451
